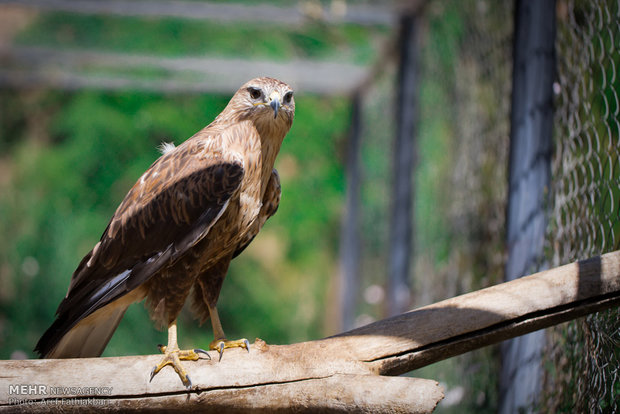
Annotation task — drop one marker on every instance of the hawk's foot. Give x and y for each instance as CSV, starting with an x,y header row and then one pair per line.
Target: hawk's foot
x,y
220,344
174,357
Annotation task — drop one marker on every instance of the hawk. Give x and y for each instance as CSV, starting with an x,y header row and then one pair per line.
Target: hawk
x,y
195,209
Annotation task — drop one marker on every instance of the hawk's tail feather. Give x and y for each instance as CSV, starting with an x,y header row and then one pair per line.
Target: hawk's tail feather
x,y
88,338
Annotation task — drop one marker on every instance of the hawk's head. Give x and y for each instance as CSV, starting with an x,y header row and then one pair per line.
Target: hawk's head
x,y
266,101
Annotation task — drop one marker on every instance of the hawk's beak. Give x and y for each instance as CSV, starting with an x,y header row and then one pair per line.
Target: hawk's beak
x,y
274,102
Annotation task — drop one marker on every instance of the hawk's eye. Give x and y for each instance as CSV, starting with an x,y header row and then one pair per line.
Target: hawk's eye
x,y
288,97
255,93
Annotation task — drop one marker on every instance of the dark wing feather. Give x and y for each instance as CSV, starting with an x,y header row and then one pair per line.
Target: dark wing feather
x,y
171,208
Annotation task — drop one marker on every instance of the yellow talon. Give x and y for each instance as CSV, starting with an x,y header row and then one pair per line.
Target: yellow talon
x,y
173,356
220,344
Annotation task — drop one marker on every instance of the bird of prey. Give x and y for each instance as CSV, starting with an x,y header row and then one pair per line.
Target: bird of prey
x,y
196,208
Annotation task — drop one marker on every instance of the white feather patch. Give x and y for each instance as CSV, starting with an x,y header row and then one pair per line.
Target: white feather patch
x,y
166,147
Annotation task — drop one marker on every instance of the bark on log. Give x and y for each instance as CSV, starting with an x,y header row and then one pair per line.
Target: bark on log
x,y
340,373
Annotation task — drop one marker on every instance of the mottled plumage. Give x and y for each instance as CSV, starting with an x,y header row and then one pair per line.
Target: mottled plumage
x,y
197,207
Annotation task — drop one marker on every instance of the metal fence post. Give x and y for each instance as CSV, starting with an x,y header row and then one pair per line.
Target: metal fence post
x,y
529,179
401,221
349,240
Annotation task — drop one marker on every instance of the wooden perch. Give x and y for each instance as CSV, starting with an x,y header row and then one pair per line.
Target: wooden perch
x,y
340,373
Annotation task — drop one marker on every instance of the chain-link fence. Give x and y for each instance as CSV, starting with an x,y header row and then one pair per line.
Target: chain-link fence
x,y
466,61
584,357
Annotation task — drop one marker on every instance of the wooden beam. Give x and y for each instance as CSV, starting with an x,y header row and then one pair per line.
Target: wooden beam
x,y
64,69
339,373
294,15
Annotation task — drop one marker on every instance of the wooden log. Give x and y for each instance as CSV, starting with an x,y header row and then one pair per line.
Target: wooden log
x,y
461,324
337,393
332,374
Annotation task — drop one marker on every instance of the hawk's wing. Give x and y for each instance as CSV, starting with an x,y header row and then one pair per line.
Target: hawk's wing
x,y
171,207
